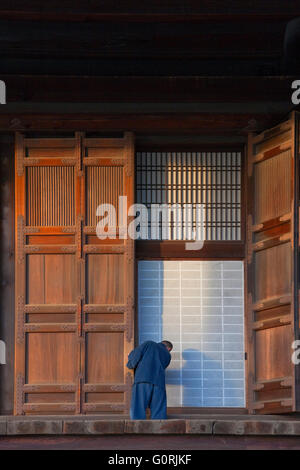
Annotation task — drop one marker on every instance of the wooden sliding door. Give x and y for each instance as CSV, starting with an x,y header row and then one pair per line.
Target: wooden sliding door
x,y
272,269
74,291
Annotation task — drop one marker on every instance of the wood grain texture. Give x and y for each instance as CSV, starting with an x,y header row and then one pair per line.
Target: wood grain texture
x,y
101,348
50,358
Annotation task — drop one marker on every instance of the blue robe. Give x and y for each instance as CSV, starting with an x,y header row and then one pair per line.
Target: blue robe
x,y
149,361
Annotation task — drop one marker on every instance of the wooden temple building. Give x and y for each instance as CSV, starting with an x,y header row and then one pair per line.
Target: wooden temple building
x,y
162,102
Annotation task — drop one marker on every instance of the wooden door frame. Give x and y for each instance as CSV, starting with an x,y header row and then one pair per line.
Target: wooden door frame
x,y
51,122
212,251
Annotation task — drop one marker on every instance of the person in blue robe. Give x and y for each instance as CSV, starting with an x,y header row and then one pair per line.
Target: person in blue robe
x,y
149,361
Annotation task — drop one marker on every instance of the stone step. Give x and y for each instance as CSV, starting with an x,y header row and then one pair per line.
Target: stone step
x,y
209,425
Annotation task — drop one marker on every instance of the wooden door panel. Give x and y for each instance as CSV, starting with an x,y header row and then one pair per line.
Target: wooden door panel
x,y
51,279
35,274
273,344
271,309
105,398
47,276
108,290
50,318
101,348
50,358
273,187
74,292
106,279
45,398
273,272
100,149
60,279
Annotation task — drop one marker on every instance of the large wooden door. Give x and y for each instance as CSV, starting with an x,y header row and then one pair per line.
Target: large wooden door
x,y
74,291
272,245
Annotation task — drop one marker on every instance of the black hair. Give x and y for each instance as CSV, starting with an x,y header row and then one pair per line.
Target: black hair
x,y
168,344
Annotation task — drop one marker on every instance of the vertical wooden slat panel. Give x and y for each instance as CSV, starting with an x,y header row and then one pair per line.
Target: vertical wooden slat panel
x,y
50,196
104,185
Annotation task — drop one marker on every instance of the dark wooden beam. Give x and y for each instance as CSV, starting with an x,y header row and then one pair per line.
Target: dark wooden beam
x,y
87,48
199,18
197,123
30,88
223,40
155,7
218,66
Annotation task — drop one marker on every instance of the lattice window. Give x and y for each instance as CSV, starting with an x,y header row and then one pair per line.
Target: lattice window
x,y
189,180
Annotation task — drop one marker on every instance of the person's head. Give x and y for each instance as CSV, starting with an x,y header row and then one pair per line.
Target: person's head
x,y
168,345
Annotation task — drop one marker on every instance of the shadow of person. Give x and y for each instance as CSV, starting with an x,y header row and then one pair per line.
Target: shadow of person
x,y
200,381
185,384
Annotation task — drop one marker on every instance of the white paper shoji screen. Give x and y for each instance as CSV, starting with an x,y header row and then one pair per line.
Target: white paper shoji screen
x,y
198,306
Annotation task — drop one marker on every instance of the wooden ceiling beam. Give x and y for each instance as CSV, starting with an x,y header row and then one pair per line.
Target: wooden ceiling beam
x,y
191,123
30,39
162,66
144,18
155,7
31,88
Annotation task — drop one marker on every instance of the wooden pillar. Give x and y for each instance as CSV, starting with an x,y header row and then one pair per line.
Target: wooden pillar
x,y
7,271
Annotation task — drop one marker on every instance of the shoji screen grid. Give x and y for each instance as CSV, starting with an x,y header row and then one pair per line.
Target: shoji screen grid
x,y
198,305
209,178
